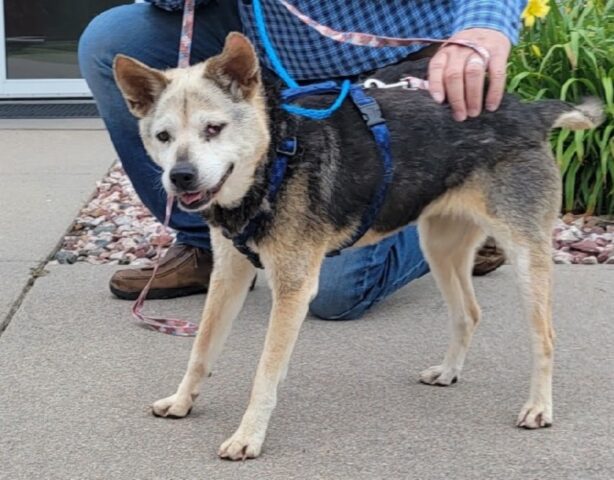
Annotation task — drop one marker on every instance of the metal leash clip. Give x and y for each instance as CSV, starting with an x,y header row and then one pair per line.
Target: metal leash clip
x,y
408,83
375,83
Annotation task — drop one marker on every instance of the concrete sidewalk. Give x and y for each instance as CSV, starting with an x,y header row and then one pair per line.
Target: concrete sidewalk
x,y
47,172
77,375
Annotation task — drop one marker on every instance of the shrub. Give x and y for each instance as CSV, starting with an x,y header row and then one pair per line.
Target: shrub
x,y
570,55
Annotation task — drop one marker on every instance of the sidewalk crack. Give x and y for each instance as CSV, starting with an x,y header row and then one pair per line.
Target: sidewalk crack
x,y
35,273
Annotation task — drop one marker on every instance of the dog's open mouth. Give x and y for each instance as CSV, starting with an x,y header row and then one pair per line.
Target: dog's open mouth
x,y
196,200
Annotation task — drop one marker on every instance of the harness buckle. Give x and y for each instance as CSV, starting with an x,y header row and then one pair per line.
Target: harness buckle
x,y
371,113
288,146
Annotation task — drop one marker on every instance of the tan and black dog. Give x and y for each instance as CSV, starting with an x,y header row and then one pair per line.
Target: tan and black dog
x,y
213,129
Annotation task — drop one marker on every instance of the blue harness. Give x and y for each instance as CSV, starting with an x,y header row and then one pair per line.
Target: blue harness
x,y
371,115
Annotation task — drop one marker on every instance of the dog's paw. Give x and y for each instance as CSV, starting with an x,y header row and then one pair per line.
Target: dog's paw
x,y
534,415
439,375
240,447
172,407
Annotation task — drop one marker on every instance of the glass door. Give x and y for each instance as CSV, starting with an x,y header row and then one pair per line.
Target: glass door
x,y
38,46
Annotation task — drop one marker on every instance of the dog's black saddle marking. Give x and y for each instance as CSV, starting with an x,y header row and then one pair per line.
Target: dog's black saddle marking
x,y
372,116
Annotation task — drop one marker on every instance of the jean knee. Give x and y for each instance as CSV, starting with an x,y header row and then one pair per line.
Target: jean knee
x,y
339,304
98,44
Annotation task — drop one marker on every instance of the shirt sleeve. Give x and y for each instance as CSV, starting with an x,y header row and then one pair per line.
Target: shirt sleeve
x,y
502,15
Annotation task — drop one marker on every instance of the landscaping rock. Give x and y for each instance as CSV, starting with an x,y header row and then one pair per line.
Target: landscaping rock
x,y
606,254
64,257
101,242
570,235
114,227
562,258
586,246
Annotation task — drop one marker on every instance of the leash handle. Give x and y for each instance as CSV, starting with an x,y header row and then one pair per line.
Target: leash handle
x,y
187,29
170,326
370,40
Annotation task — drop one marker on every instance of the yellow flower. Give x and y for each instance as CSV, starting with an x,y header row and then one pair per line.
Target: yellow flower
x,y
536,51
535,9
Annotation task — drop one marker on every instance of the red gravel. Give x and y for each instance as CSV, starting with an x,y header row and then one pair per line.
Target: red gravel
x,y
114,227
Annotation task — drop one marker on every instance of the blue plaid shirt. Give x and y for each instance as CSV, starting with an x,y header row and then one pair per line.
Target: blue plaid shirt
x,y
307,55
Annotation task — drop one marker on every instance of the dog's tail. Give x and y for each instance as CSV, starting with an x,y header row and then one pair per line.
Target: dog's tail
x,y
557,114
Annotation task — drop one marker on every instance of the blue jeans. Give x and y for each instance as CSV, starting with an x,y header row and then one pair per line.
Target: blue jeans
x,y
350,283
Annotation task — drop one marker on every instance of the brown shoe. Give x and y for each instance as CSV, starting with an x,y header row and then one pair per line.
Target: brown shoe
x,y
184,270
488,258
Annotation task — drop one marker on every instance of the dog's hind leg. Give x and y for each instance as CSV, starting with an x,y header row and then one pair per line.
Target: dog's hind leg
x,y
294,281
230,280
449,244
533,266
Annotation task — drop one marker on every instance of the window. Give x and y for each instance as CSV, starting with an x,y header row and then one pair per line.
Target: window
x,y
39,45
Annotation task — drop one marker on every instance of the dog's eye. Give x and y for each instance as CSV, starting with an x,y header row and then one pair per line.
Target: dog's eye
x,y
163,136
213,130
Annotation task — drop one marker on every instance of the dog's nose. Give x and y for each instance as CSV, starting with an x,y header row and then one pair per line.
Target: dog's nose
x,y
184,176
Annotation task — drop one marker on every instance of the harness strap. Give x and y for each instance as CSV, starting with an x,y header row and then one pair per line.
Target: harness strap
x,y
277,173
292,93
373,118
280,70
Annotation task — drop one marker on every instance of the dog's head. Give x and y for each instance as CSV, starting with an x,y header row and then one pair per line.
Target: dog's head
x,y
205,125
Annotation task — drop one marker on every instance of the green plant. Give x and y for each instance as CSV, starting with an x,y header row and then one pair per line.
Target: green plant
x,y
570,55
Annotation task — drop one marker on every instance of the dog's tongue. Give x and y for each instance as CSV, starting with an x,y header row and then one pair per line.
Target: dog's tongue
x,y
190,198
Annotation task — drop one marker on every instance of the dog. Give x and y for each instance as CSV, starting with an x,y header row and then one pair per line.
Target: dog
x,y
213,128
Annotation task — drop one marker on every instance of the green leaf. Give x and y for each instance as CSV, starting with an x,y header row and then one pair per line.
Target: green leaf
x,y
569,187
577,42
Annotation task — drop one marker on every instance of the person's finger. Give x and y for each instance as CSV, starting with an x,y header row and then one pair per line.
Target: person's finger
x,y
475,71
454,82
496,81
437,66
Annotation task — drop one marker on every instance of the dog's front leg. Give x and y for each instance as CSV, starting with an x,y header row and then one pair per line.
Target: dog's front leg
x,y
230,281
294,282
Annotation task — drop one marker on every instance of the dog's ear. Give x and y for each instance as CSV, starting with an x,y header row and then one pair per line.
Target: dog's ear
x,y
236,68
140,85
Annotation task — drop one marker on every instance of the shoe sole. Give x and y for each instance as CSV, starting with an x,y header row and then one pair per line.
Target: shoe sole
x,y
166,293
159,293
481,271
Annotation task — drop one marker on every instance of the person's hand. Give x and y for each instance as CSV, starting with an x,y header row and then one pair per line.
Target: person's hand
x,y
457,73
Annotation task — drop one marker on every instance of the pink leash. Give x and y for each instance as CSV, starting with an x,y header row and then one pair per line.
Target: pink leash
x,y
369,40
187,29
184,328
170,326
